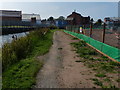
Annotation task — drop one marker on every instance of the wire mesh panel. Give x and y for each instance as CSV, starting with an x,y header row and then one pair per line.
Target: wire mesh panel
x,y
108,35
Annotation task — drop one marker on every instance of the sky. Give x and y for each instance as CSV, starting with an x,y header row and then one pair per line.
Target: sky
x,y
96,10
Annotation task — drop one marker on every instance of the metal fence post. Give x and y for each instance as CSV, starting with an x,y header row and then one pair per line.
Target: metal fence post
x,y
91,26
103,35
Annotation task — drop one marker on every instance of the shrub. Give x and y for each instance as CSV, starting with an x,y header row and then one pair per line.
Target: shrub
x,y
21,48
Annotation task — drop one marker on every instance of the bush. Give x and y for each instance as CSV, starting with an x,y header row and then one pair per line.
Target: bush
x,y
21,48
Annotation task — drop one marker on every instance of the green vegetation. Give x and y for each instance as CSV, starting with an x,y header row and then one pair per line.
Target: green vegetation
x,y
118,80
100,75
60,48
23,47
102,65
21,74
93,59
97,82
20,64
74,38
107,80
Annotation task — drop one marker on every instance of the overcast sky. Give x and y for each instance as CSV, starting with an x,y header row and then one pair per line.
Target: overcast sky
x,y
95,10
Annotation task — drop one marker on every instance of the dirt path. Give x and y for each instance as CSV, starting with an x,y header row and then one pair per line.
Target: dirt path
x,y
60,69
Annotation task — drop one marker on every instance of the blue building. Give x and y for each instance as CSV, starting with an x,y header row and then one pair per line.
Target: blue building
x,y
61,23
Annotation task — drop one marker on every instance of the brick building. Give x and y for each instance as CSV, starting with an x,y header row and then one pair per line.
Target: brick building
x,y
77,19
9,15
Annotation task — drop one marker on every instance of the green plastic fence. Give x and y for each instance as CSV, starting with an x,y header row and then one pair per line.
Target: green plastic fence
x,y
106,49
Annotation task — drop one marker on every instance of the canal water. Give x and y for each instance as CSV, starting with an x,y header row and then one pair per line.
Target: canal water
x,y
8,38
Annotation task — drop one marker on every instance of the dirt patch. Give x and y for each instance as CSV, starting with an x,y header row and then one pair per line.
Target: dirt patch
x,y
73,74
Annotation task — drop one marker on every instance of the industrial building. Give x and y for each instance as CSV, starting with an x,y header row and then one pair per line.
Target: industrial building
x,y
9,15
34,18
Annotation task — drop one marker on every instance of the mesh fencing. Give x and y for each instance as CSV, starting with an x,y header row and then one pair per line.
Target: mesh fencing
x,y
106,49
111,37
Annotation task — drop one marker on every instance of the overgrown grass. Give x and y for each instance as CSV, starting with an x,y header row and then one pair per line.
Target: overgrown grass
x,y
21,74
22,66
22,48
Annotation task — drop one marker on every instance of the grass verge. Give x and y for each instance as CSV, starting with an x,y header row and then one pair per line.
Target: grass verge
x,y
22,73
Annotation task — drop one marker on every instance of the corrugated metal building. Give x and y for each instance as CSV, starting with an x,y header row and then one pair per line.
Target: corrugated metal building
x,y
9,15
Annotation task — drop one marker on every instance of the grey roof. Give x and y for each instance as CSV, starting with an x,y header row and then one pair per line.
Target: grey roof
x,y
29,16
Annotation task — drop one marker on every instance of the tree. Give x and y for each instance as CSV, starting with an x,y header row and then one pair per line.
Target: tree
x,y
99,22
61,18
92,20
50,19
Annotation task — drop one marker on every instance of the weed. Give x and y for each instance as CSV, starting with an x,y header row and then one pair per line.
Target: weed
x,y
91,65
111,86
97,82
100,75
74,38
118,80
107,80
107,67
60,48
91,58
78,61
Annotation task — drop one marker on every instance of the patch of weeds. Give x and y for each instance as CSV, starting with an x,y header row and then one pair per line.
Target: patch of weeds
x,y
107,80
91,65
60,48
98,59
97,82
94,69
86,56
107,67
74,38
100,75
111,86
105,58
78,61
118,80
91,58
114,63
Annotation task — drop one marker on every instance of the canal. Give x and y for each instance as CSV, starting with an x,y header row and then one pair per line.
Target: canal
x,y
8,38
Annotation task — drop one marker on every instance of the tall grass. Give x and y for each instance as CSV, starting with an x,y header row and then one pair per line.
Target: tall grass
x,y
22,74
21,48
